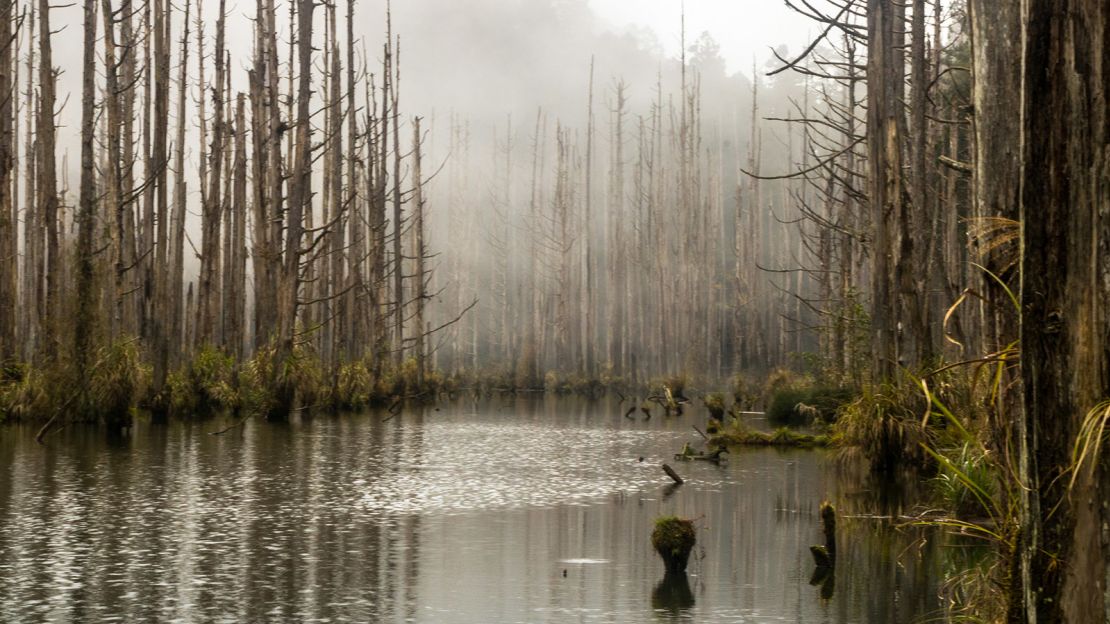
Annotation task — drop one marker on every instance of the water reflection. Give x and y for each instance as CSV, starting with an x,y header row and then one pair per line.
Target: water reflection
x,y
672,596
470,513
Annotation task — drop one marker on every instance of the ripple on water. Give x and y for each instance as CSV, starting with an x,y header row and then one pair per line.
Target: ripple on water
x,y
505,466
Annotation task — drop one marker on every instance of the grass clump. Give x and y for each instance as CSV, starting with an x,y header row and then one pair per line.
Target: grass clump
x,y
23,392
674,539
884,424
739,434
965,483
114,384
715,403
205,385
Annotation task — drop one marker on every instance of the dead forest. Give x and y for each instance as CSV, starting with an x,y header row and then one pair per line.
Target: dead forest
x,y
913,206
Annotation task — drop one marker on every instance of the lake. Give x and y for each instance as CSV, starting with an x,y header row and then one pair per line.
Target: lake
x,y
514,509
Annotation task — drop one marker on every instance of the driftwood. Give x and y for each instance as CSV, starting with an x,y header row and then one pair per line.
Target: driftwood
x,y
672,474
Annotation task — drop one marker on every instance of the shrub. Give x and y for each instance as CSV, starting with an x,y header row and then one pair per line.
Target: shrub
x,y
114,383
205,385
800,406
884,423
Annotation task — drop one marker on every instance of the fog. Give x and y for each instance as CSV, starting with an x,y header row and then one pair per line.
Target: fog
x,y
495,80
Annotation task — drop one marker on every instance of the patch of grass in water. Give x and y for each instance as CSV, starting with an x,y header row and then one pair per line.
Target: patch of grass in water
x,y
740,435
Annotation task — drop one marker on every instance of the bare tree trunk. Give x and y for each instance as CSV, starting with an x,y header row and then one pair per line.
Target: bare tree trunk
x,y
885,184
300,198
47,184
32,295
589,345
9,267
208,293
419,272
996,43
1065,297
175,288
398,221
86,304
157,175
236,271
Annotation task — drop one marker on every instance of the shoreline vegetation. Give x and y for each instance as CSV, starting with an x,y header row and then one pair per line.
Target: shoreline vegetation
x,y
910,425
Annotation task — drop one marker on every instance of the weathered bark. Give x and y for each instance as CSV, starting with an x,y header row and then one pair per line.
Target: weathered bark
x,y
300,197
86,304
1065,297
398,220
995,44
208,293
916,270
116,206
266,135
589,362
48,185
176,287
31,295
158,208
236,300
885,181
419,272
9,268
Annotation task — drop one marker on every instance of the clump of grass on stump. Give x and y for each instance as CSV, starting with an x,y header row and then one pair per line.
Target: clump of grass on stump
x,y
674,538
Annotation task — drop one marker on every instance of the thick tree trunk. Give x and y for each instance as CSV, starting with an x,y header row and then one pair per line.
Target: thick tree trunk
x,y
1065,332
885,180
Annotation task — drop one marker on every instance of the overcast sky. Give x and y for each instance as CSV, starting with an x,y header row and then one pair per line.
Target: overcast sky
x,y
743,27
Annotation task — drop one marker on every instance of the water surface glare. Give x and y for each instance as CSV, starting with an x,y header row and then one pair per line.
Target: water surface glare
x,y
521,510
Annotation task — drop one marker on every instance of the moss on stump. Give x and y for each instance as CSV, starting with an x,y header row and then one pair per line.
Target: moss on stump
x,y
674,539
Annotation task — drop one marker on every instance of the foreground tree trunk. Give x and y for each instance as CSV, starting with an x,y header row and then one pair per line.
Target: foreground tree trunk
x,y
1065,333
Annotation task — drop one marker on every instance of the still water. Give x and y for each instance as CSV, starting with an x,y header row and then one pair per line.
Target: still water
x,y
500,510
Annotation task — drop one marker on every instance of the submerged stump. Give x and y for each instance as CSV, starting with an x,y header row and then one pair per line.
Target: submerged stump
x,y
825,556
674,539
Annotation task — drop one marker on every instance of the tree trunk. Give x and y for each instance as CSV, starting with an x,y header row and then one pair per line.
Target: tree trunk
x,y
208,291
885,180
9,268
47,183
86,303
1065,297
